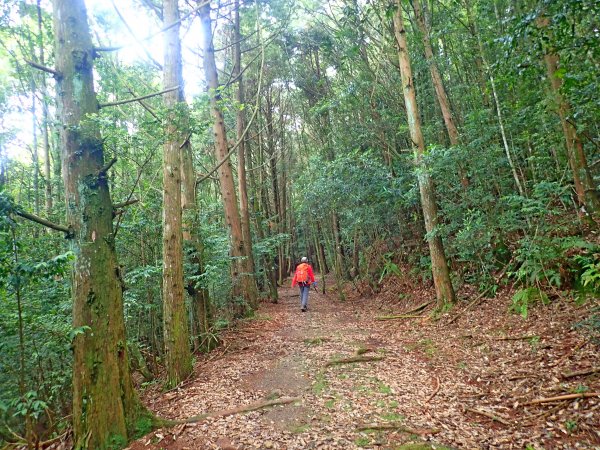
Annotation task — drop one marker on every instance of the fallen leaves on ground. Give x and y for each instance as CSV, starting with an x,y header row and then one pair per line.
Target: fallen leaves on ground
x,y
484,369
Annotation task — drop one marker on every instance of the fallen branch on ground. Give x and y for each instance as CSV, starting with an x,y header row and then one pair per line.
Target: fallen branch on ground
x,y
580,373
419,308
397,427
403,316
353,359
515,338
572,352
480,296
563,397
436,390
362,351
533,420
490,415
241,409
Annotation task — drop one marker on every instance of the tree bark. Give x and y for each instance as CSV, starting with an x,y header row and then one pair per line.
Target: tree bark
x,y
105,405
178,358
45,138
438,85
240,126
585,188
244,284
439,265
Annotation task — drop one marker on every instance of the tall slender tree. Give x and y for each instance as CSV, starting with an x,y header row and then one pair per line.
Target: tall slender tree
x,y
177,349
585,188
438,84
439,266
244,144
244,284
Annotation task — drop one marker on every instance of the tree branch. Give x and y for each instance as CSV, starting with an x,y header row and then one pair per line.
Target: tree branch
x,y
107,166
137,99
162,30
54,72
141,44
133,201
67,230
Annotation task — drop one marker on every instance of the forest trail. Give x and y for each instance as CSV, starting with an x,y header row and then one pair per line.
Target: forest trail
x,y
436,380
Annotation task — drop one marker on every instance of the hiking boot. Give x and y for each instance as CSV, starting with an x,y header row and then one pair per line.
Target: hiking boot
x,y
303,309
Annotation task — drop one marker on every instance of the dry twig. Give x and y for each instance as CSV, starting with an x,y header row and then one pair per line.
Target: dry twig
x,y
563,397
515,338
353,359
492,416
241,409
435,391
580,373
397,427
402,316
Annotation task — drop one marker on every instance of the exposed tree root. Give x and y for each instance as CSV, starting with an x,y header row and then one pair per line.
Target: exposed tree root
x,y
353,359
230,412
419,308
397,427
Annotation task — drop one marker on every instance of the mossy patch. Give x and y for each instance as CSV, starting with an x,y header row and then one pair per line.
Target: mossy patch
x,y
298,429
422,446
320,385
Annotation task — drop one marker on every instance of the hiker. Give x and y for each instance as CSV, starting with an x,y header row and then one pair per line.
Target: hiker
x,y
304,277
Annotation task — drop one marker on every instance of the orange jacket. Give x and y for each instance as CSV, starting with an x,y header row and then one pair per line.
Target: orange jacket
x,y
311,275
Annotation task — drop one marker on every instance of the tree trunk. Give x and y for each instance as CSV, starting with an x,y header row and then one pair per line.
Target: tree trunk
x,y
244,284
45,137
487,68
105,405
178,358
438,85
34,153
240,126
439,266
587,194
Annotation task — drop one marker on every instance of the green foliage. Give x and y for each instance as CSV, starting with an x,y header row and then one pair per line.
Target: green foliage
x,y
29,405
525,298
590,278
389,268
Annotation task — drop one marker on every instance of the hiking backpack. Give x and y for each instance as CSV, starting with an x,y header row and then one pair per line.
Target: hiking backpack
x,y
302,274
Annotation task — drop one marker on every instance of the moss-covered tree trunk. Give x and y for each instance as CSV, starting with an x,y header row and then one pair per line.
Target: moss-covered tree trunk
x,y
178,357
105,405
439,266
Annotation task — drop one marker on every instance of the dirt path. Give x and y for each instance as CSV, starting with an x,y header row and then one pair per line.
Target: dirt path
x,y
424,381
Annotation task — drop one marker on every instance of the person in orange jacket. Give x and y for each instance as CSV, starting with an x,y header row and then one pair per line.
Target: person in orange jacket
x,y
304,277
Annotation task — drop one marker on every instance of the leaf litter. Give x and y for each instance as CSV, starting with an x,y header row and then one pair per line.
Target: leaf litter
x,y
474,383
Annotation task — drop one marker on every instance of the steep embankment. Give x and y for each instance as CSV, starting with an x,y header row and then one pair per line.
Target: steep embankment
x,y
465,384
